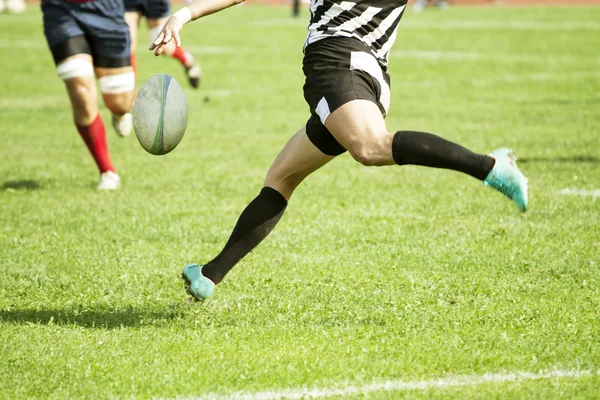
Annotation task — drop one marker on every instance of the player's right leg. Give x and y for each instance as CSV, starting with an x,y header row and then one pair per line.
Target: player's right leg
x,y
349,93
298,159
71,54
360,128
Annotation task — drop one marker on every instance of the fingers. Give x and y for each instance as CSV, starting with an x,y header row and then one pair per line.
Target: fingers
x,y
163,38
156,41
177,39
168,37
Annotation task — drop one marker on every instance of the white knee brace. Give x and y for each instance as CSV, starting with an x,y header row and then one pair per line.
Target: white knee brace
x,y
74,68
120,83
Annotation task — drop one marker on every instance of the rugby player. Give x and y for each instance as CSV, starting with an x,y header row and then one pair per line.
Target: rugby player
x,y
87,38
348,91
157,12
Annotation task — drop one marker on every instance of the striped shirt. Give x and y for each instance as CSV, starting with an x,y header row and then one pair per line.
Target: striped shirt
x,y
373,22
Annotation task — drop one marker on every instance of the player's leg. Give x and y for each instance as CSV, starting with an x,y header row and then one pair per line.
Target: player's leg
x,y
298,159
108,34
70,51
351,98
360,128
118,90
132,18
157,14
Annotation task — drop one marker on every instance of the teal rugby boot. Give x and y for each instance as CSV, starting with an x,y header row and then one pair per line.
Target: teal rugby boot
x,y
198,286
506,178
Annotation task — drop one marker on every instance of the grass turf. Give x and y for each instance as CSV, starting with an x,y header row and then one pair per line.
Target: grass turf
x,y
372,275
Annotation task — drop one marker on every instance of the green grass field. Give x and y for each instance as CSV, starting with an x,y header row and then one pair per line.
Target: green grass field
x,y
420,277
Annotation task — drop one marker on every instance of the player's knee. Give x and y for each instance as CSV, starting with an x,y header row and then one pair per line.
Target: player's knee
x,y
118,83
370,152
117,91
118,104
75,68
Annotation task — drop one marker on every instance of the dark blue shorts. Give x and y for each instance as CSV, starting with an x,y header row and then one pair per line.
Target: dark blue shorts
x,y
152,9
95,27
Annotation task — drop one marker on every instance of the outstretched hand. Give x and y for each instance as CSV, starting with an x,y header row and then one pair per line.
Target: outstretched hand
x,y
169,32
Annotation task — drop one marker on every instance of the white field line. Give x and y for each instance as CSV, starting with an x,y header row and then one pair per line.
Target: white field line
x,y
401,386
594,193
498,57
412,54
458,25
501,25
34,102
24,44
41,44
217,49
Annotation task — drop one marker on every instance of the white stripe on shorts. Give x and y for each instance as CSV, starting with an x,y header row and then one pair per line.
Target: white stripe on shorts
x,y
322,110
362,61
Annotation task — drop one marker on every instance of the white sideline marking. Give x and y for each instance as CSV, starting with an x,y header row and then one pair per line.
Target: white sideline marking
x,y
473,56
398,386
32,103
595,193
407,23
27,44
501,25
217,49
41,44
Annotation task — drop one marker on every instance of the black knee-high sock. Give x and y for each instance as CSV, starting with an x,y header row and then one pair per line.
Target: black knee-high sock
x,y
255,223
421,148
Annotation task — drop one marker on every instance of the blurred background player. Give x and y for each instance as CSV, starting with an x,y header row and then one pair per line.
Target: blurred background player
x,y
420,5
157,12
13,6
90,38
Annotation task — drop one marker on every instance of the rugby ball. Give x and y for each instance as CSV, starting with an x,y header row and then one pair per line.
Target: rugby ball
x,y
160,114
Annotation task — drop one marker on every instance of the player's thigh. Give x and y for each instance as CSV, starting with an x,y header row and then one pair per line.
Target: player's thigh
x,y
360,128
298,159
348,93
132,18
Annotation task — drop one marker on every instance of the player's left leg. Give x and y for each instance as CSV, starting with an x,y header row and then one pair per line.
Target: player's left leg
x,y
110,41
118,90
185,58
360,128
298,159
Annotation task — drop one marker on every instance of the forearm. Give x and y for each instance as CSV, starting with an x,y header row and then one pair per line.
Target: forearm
x,y
202,8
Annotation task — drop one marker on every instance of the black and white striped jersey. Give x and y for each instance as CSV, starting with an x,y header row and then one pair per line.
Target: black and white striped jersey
x,y
374,22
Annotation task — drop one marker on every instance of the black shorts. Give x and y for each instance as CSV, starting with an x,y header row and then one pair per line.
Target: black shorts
x,y
94,27
152,9
337,71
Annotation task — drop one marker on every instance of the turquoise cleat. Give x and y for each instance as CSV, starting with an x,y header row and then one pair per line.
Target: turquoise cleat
x,y
507,178
199,286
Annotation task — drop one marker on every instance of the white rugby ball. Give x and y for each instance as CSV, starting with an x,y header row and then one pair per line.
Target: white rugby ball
x,y
160,114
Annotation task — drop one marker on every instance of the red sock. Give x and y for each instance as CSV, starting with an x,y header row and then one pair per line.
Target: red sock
x,y
133,63
183,56
94,137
